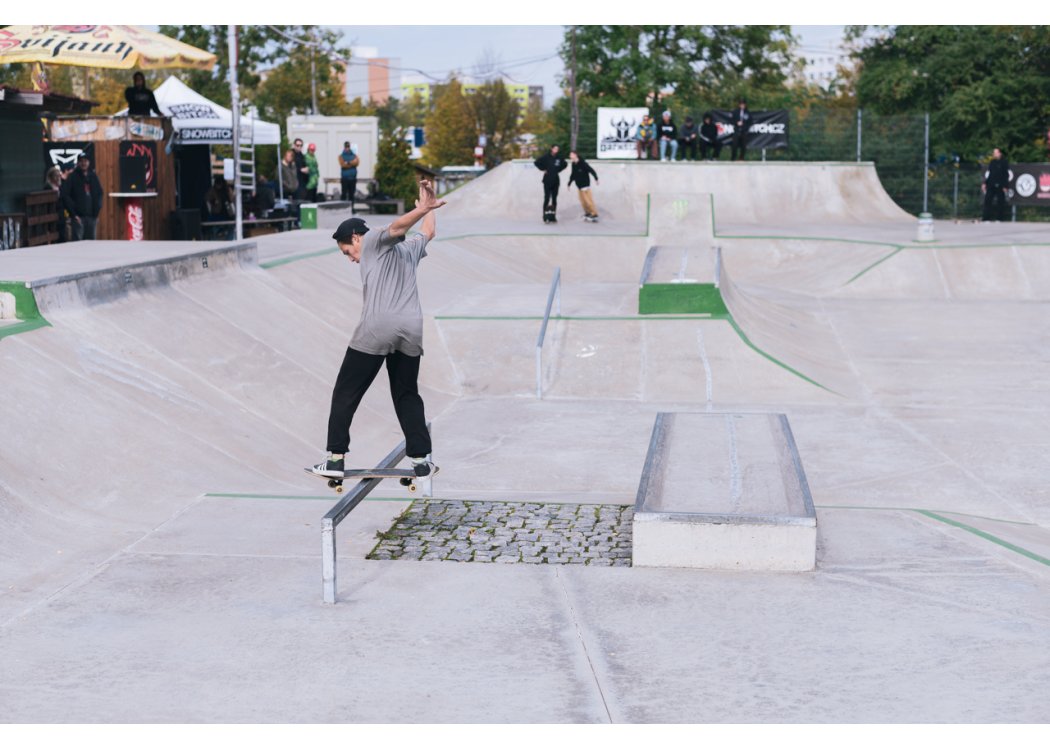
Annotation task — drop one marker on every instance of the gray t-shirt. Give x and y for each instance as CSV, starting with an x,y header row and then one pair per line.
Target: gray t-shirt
x,y
391,318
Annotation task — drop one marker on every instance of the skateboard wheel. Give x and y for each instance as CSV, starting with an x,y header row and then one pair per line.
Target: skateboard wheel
x,y
332,484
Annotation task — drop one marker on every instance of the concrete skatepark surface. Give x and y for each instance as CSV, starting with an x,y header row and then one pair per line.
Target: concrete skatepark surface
x,y
159,556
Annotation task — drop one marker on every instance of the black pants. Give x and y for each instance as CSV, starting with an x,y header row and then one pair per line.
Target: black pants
x,y
688,147
706,148
739,146
349,185
550,197
998,197
355,376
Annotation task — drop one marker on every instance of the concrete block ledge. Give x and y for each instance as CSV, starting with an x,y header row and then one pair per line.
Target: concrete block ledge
x,y
725,492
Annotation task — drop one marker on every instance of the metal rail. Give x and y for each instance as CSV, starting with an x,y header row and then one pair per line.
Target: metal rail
x,y
554,292
343,508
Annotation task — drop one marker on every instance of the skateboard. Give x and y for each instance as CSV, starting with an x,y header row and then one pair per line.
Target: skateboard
x,y
406,477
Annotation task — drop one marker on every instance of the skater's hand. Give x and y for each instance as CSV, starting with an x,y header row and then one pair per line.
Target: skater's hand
x,y
428,200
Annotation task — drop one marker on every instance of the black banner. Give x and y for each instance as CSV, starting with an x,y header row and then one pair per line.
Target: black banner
x,y
768,129
63,154
1029,184
146,152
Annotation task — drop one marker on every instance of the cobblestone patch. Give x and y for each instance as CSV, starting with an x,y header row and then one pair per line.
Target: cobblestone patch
x,y
537,533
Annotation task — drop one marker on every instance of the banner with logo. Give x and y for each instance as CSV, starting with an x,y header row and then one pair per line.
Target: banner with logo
x,y
616,128
768,129
147,152
1030,184
64,155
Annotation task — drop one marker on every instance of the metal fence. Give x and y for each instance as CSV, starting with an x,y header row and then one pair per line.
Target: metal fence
x,y
895,143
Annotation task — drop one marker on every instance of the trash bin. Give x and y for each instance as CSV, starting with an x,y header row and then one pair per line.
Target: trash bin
x,y
308,216
925,233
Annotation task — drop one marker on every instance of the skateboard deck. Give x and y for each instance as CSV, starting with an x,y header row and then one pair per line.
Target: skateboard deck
x,y
406,477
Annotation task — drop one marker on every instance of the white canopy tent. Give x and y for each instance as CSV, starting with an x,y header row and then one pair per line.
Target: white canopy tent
x,y
198,120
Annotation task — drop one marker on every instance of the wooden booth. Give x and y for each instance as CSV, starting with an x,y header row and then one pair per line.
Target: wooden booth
x,y
137,174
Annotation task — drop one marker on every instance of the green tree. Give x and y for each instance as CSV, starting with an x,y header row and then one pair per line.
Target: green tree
x,y
495,114
451,134
984,86
394,171
632,65
258,47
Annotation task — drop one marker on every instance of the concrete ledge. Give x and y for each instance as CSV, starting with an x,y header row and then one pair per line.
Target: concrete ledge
x,y
724,491
98,286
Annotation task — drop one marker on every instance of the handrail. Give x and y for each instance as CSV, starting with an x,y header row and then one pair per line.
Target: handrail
x,y
718,266
555,290
340,511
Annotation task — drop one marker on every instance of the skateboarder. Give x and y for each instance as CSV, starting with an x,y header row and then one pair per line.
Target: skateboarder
x,y
391,331
550,164
581,175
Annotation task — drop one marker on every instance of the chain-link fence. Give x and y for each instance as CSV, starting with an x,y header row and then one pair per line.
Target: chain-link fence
x,y
895,143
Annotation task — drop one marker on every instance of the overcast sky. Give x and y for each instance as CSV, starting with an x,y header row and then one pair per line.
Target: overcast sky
x,y
525,54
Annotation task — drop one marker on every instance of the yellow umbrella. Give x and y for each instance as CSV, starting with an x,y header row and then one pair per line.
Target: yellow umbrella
x,y
120,47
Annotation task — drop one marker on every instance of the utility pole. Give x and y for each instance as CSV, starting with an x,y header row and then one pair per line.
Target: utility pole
x,y
313,69
572,87
235,109
926,162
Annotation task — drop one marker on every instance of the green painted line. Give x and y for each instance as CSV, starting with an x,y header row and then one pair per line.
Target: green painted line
x,y
880,260
989,537
26,309
774,360
642,318
301,256
560,235
256,496
806,239
926,510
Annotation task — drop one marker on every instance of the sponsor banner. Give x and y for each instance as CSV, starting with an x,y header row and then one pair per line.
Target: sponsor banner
x,y
616,127
147,151
145,130
205,135
768,129
64,155
1029,184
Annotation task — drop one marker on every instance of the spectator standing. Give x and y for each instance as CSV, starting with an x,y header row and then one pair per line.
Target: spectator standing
x,y
689,137
302,172
550,164
140,99
994,188
289,174
314,174
83,200
741,125
348,163
263,199
53,181
709,142
581,174
644,137
668,134
220,205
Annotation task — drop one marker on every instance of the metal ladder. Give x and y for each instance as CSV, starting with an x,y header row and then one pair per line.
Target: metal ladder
x,y
245,179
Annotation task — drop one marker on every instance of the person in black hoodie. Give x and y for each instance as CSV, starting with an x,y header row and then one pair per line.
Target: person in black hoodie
x,y
709,138
741,126
688,138
581,175
550,164
141,100
82,198
994,187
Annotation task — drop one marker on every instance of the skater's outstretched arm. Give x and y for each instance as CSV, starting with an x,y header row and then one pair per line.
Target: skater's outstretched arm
x,y
426,203
429,228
